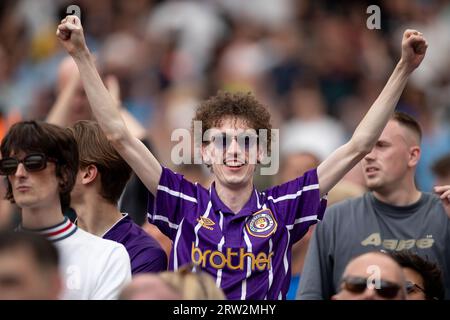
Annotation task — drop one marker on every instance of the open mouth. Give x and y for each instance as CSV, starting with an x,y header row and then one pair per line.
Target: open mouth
x,y
235,164
371,169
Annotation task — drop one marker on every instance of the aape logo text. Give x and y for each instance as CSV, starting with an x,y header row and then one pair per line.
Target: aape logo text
x,y
394,244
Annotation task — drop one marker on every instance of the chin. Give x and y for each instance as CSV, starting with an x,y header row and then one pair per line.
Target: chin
x,y
234,181
24,203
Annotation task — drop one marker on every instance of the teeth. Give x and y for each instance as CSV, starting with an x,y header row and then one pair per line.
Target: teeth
x,y
234,164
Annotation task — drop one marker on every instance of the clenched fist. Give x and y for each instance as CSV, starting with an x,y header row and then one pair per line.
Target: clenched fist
x,y
414,47
70,34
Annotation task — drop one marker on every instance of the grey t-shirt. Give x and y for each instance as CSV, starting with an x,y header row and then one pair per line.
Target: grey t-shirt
x,y
365,224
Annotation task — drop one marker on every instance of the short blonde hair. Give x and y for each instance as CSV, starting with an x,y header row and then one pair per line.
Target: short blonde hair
x,y
193,285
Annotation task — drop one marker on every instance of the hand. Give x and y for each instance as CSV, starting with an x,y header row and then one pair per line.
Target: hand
x,y
70,34
414,47
444,193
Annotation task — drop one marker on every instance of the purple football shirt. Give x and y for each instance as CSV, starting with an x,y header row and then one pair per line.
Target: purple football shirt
x,y
145,253
248,253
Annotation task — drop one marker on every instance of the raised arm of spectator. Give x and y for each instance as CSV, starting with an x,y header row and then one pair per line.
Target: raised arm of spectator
x,y
104,106
333,168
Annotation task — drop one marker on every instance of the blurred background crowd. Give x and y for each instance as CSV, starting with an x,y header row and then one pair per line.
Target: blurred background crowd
x,y
314,64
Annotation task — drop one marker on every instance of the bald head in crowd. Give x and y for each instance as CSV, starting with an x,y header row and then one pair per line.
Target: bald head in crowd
x,y
372,276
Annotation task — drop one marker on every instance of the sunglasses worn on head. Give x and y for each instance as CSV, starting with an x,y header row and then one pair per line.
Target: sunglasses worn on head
x,y
32,163
244,141
386,289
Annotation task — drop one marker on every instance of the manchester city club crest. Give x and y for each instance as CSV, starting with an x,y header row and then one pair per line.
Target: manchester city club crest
x,y
262,224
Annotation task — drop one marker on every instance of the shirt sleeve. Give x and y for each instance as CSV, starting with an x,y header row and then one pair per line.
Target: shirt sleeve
x,y
317,271
114,276
298,203
152,260
175,198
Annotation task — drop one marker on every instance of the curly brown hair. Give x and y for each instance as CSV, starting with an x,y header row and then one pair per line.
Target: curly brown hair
x,y
239,105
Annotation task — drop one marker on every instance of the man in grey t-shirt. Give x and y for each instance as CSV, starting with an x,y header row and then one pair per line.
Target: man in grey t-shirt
x,y
393,216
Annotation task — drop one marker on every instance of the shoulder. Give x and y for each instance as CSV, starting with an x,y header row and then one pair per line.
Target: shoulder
x,y
296,187
138,238
98,245
346,210
431,198
348,204
433,204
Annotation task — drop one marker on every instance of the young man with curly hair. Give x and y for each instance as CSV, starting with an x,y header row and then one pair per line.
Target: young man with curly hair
x,y
239,235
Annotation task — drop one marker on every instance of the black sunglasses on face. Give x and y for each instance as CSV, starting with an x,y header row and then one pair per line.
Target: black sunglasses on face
x,y
32,163
245,142
386,289
413,287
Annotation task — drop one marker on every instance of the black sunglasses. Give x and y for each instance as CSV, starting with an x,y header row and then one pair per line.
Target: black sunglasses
x,y
386,289
244,141
413,287
32,163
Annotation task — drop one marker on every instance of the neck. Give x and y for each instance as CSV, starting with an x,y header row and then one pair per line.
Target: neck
x,y
95,215
235,199
42,217
402,194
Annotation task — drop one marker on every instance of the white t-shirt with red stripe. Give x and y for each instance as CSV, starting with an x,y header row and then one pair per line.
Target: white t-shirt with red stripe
x,y
92,268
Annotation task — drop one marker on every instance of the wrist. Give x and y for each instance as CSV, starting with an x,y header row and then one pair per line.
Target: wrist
x,y
403,67
82,54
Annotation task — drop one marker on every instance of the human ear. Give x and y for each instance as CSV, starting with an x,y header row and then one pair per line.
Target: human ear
x,y
414,156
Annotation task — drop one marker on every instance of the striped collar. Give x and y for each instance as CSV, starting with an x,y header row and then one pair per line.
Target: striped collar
x,y
55,233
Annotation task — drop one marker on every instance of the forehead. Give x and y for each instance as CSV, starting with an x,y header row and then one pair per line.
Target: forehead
x,y
230,124
18,153
371,265
393,132
17,258
22,153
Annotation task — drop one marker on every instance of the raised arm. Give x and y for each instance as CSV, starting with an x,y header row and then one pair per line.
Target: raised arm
x,y
105,108
333,168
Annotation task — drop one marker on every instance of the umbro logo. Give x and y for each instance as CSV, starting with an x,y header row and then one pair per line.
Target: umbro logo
x,y
206,223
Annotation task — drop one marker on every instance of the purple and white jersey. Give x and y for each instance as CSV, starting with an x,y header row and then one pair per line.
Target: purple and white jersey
x,y
146,255
248,253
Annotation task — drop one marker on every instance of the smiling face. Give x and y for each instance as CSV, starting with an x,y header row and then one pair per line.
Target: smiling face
x,y
232,152
392,160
